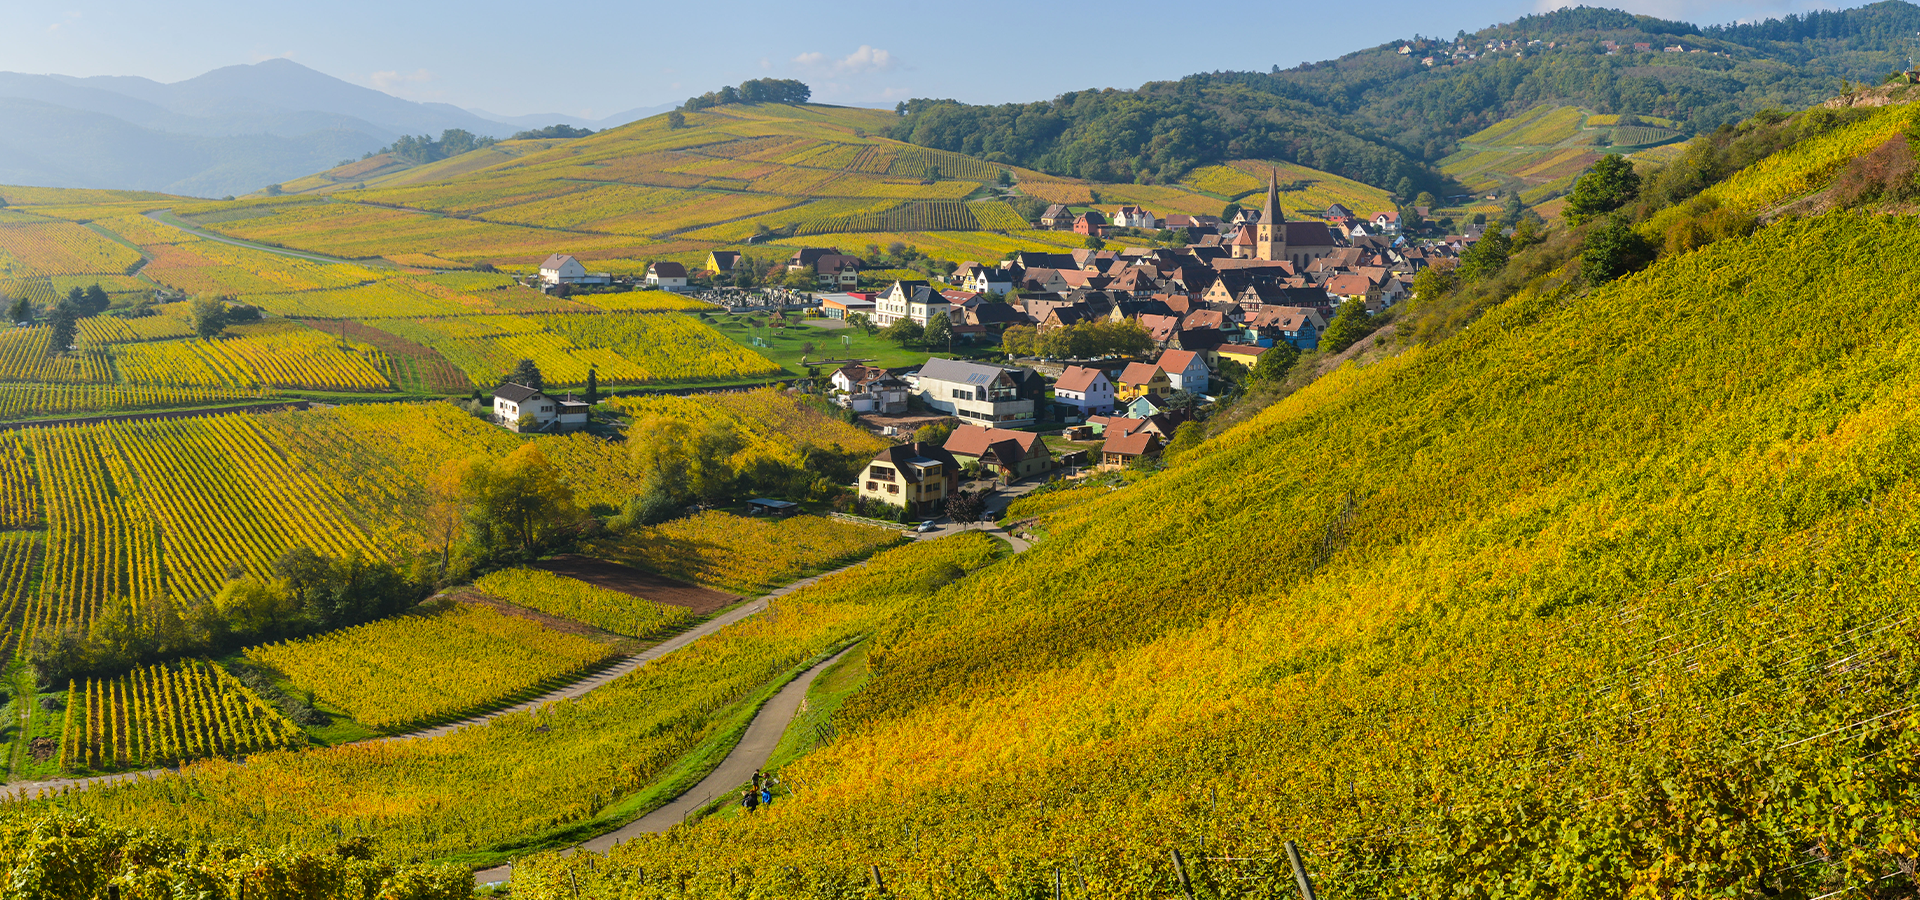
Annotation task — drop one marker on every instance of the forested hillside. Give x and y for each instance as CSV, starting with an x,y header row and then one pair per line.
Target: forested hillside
x,y
1380,115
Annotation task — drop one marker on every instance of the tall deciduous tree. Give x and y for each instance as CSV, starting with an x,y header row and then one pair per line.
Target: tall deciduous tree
x,y
1609,185
519,503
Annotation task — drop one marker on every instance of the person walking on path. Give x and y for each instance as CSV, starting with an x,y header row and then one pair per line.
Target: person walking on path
x,y
750,799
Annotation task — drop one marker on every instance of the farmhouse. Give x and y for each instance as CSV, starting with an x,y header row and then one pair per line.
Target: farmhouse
x,y
561,268
517,407
667,275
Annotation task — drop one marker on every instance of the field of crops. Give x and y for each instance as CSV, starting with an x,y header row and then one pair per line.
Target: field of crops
x,y
27,401
430,666
772,423
746,555
61,248
274,353
25,356
625,348
165,715
571,598
935,215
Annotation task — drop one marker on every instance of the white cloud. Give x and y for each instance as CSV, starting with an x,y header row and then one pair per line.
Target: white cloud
x,y
71,18
389,81
860,62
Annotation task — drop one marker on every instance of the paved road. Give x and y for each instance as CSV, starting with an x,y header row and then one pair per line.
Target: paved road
x,y
748,756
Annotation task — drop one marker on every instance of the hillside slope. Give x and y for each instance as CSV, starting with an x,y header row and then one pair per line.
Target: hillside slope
x,y
1609,595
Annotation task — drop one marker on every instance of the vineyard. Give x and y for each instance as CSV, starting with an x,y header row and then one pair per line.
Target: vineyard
x,y
164,715
774,424
569,598
26,401
544,770
25,355
1460,669
430,666
60,248
625,348
276,353
745,555
935,215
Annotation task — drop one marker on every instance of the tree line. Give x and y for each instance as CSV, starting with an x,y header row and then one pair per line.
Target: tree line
x,y
758,90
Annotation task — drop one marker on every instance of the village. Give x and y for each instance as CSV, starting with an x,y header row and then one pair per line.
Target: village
x,y
1042,397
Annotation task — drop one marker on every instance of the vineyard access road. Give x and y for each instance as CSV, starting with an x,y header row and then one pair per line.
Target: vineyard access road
x,y
25,790
746,758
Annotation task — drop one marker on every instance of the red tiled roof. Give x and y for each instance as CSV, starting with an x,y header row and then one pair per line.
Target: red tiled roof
x,y
1139,443
1139,373
1076,378
1176,360
973,440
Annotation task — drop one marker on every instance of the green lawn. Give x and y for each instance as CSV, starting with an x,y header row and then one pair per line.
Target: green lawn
x,y
787,345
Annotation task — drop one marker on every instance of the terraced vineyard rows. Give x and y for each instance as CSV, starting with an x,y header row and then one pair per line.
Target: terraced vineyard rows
x,y
19,401
570,598
25,356
418,668
932,215
166,714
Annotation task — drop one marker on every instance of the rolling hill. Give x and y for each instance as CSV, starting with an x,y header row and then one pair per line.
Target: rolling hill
x,y
766,176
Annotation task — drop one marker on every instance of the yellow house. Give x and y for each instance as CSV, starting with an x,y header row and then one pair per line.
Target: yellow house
x,y
720,262
1140,379
1241,353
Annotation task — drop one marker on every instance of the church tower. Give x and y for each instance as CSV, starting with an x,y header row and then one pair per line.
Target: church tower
x,y
1270,241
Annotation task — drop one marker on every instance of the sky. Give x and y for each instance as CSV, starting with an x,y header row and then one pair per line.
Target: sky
x,y
594,58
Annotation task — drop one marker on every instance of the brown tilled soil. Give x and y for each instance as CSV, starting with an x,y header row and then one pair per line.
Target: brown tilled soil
x,y
43,748
646,585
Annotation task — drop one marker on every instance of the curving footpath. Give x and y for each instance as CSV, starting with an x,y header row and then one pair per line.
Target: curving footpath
x,y
747,757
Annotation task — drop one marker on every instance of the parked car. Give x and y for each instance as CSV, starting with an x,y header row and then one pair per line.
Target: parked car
x,y
928,525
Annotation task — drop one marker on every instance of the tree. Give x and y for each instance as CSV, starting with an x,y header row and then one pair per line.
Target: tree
x,y
65,322
711,471
965,506
1094,243
1404,189
97,299
1274,364
1609,185
1229,211
593,386
526,373
937,433
1612,250
676,120
904,332
863,322
209,317
274,190
519,503
20,311
1349,325
1487,256
939,332
1019,340
1424,199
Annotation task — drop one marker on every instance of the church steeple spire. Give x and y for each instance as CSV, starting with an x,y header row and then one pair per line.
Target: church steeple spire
x,y
1271,239
1272,214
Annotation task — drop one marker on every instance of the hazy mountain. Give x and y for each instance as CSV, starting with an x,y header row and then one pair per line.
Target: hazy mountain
x,y
230,131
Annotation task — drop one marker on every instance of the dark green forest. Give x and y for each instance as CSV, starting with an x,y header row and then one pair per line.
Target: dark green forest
x,y
1384,117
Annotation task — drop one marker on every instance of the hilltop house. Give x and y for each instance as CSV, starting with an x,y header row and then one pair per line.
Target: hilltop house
x,y
974,391
666,275
1011,454
520,408
917,477
1084,388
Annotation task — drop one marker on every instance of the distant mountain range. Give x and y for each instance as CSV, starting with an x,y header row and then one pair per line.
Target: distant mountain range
x,y
229,131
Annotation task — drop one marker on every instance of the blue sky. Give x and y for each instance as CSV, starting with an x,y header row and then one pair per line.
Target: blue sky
x,y
597,57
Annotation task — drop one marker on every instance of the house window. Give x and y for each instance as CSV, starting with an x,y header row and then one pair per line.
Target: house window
x,y
873,485
893,489
882,474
